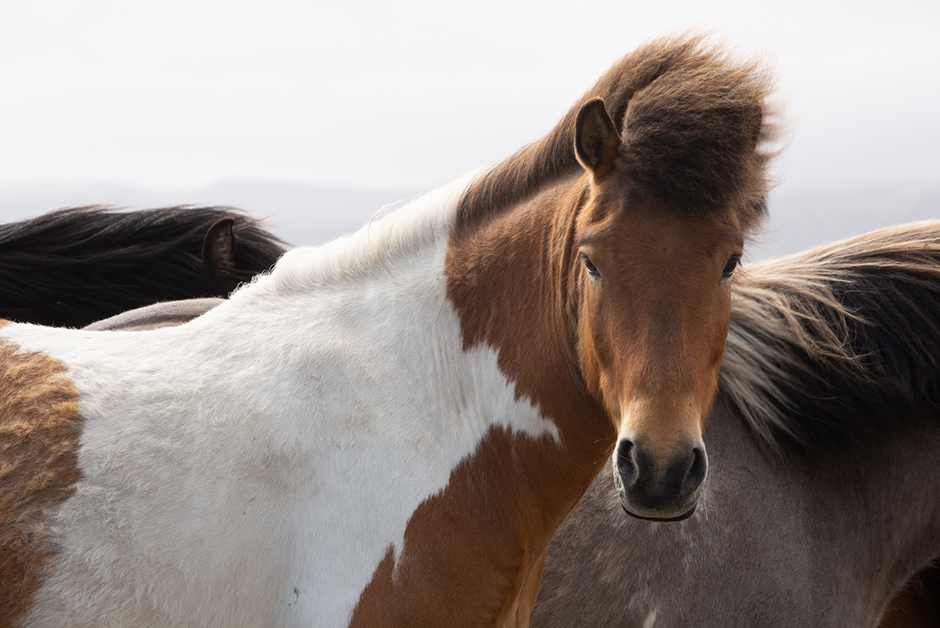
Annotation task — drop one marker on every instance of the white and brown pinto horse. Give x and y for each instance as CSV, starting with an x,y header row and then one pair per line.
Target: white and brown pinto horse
x,y
593,571
823,497
386,430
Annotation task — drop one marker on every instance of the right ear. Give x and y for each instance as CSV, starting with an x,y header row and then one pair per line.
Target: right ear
x,y
596,140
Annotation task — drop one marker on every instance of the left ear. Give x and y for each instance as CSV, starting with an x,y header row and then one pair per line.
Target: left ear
x,y
218,246
596,139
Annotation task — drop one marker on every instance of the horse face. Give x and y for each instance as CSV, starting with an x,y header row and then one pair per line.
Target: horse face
x,y
654,308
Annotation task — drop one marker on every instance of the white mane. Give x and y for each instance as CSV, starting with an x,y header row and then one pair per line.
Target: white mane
x,y
375,248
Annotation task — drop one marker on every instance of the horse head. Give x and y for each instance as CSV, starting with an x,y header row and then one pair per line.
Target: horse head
x,y
652,299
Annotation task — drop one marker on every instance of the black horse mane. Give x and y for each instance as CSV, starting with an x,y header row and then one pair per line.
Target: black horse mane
x,y
74,266
831,350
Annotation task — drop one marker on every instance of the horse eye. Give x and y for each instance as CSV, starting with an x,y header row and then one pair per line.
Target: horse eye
x,y
730,266
591,268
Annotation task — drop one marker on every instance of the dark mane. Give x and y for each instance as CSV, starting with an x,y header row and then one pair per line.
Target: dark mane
x,y
694,123
75,266
830,348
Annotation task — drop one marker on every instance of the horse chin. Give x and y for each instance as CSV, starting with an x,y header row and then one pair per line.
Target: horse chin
x,y
657,509
652,516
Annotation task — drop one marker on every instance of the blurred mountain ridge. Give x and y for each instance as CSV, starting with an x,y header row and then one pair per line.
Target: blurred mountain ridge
x,y
304,214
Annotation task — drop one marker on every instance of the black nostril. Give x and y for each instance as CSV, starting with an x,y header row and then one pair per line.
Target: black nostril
x,y
626,467
695,474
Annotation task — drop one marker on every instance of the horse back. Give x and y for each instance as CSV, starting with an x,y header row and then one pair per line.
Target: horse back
x,y
165,314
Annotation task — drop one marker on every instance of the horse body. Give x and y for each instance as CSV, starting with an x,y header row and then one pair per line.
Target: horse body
x,y
777,546
821,499
268,489
386,430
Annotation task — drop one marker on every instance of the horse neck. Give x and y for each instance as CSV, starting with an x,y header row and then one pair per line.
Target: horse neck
x,y
896,506
861,531
511,280
508,279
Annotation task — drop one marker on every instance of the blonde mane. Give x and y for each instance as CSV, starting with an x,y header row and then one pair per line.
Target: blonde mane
x,y
828,346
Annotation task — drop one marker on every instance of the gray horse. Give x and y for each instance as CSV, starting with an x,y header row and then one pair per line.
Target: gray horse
x,y
823,490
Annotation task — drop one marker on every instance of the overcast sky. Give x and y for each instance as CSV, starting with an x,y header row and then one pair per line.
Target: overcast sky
x,y
183,94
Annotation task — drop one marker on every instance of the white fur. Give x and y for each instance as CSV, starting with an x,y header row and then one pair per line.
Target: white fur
x,y
252,468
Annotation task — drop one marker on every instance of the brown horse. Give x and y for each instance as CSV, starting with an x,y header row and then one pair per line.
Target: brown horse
x,y
821,502
670,191
386,430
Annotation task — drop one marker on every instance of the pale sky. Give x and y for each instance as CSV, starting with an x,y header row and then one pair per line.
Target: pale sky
x,y
182,94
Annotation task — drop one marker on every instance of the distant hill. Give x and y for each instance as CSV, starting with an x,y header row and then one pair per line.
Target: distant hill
x,y
300,214
800,219
305,214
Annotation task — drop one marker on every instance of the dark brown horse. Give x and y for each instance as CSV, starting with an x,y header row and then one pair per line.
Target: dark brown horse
x,y
73,266
822,498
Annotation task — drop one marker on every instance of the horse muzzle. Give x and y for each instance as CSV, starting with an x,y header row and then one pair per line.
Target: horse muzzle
x,y
659,488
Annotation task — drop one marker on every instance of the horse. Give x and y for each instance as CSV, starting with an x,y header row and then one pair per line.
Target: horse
x,y
580,551
821,502
387,429
156,315
74,266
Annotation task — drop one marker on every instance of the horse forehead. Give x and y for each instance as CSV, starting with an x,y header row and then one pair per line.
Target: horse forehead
x,y
638,229
664,271
40,427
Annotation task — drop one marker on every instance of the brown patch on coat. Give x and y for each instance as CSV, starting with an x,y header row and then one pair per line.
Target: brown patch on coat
x,y
473,554
39,440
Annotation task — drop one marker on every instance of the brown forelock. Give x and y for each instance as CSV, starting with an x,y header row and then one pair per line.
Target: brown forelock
x,y
653,326
39,440
696,126
473,553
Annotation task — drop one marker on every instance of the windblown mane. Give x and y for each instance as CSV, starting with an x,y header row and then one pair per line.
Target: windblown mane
x,y
831,347
377,247
695,127
74,266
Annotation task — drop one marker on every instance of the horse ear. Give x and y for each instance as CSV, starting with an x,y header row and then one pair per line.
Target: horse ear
x,y
218,247
596,139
